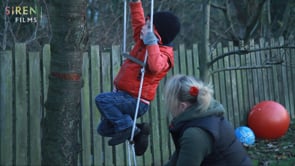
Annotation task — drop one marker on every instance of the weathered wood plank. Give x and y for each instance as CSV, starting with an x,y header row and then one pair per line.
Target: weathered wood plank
x,y
176,68
232,94
245,61
215,75
116,60
35,108
221,77
6,107
250,80
146,159
227,86
164,143
257,75
292,75
120,150
46,57
284,83
108,156
96,78
155,136
269,95
290,61
85,113
190,65
195,60
182,59
261,59
21,104
240,110
275,74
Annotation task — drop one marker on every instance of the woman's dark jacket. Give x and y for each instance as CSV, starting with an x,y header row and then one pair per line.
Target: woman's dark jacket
x,y
206,138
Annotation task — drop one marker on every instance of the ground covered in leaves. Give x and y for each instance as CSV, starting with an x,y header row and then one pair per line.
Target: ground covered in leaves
x,y
280,152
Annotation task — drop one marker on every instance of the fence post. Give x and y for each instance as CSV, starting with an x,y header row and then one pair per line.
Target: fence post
x,y
85,114
6,107
21,104
35,109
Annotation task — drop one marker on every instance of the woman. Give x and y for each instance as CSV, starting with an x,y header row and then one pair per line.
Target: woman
x,y
201,134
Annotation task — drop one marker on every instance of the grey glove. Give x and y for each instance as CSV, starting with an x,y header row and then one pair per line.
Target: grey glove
x,y
150,38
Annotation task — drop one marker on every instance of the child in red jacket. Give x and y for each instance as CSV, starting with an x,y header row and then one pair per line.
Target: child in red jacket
x,y
118,107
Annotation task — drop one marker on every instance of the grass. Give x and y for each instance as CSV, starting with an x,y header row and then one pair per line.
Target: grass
x,y
279,152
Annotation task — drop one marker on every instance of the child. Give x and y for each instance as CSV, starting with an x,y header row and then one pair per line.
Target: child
x,y
201,134
118,108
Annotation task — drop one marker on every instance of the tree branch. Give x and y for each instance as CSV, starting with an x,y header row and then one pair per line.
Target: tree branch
x,y
216,6
241,68
243,52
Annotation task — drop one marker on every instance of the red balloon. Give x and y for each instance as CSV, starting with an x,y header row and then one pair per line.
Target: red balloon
x,y
269,120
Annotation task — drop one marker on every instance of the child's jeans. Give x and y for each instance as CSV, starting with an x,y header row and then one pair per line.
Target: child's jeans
x,y
117,112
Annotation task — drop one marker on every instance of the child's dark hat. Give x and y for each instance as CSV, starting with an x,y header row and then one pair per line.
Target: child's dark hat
x,y
167,25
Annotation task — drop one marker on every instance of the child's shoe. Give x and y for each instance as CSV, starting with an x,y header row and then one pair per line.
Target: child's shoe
x,y
141,139
122,136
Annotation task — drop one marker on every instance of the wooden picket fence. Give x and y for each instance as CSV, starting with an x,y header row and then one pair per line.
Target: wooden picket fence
x,y
240,81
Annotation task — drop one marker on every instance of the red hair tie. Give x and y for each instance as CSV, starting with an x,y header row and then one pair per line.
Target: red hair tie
x,y
194,91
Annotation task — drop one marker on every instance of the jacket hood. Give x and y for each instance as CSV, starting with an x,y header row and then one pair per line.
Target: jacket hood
x,y
193,112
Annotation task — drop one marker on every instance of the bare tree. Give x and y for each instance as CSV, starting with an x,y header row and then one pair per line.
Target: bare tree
x,y
241,18
32,29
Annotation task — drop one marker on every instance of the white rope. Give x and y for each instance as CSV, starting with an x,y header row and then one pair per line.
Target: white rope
x,y
130,143
125,26
142,75
129,146
152,16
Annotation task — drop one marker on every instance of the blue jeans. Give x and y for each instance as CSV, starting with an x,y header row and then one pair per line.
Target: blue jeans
x,y
117,112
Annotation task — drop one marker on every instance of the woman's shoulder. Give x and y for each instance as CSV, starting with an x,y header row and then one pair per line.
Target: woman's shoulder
x,y
198,135
198,141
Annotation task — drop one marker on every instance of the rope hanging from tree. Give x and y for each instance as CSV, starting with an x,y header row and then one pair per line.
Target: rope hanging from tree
x,y
131,142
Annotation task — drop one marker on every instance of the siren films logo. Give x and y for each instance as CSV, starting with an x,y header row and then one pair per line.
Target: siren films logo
x,y
22,14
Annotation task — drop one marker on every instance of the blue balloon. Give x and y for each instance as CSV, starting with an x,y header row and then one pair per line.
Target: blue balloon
x,y
245,135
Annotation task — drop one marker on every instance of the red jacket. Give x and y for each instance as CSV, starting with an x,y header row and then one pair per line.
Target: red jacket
x,y
160,61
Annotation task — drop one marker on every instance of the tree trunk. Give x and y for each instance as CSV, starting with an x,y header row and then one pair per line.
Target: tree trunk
x,y
61,121
204,55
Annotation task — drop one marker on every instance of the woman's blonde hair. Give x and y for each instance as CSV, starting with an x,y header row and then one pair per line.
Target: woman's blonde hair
x,y
177,90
